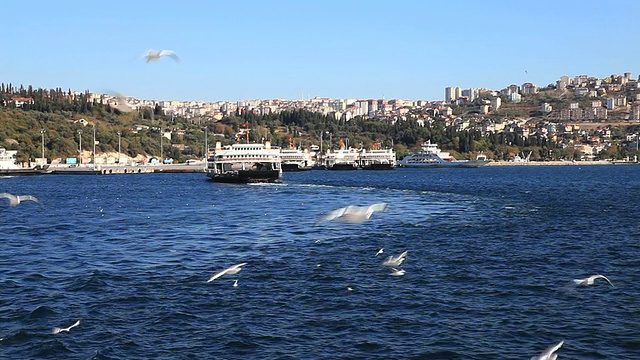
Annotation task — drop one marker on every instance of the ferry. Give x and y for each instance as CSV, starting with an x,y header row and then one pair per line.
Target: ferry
x,y
343,159
9,165
430,156
244,163
377,159
296,160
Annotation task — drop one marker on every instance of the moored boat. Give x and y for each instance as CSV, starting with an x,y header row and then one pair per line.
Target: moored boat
x,y
430,156
296,160
244,163
377,159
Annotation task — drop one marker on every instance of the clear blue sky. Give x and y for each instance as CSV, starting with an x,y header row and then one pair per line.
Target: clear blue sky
x,y
241,49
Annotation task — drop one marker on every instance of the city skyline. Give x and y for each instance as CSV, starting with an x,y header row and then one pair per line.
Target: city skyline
x,y
292,50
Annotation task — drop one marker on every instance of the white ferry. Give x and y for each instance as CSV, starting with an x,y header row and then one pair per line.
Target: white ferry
x,y
430,156
343,159
296,160
244,163
8,160
377,159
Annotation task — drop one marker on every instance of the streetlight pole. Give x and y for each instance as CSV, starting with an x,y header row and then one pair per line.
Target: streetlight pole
x,y
161,136
94,146
119,134
206,143
42,132
80,144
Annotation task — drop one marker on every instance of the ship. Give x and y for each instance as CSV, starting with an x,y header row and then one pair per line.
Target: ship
x,y
430,156
343,159
9,165
296,160
377,159
244,163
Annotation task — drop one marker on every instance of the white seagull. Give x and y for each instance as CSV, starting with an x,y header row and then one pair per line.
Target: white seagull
x,y
152,55
235,283
14,200
393,261
590,280
353,214
549,353
122,104
380,251
232,270
396,272
58,330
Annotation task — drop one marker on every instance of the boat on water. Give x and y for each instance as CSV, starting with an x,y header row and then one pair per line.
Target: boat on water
x,y
430,156
342,159
377,159
244,163
9,165
296,160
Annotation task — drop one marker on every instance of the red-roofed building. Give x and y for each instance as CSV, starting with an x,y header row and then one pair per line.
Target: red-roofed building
x,y
19,101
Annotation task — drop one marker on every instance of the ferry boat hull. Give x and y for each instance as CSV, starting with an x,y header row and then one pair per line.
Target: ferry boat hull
x,y
446,164
343,166
294,167
378,167
246,176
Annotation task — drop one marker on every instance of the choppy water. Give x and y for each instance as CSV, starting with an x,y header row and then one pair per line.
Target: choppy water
x,y
491,252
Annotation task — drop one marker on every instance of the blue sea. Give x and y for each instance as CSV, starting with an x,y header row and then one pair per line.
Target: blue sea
x,y
488,275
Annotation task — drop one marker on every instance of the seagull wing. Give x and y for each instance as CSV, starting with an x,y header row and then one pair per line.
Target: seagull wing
x,y
378,207
6,195
237,266
333,215
169,53
215,276
75,324
604,278
550,350
28,198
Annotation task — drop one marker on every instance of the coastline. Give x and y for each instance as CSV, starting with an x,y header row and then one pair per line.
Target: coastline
x,y
559,163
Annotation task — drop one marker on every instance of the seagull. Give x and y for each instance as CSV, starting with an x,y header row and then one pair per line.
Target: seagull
x,y
395,260
590,280
152,55
380,251
122,104
349,288
235,283
14,200
396,272
232,270
353,214
549,353
58,330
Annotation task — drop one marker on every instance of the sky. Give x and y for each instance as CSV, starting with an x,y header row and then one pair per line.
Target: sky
x,y
293,49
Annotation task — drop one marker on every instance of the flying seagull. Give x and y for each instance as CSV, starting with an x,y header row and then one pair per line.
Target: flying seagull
x,y
393,261
235,283
14,200
380,251
353,214
549,353
590,280
152,55
58,330
122,104
232,270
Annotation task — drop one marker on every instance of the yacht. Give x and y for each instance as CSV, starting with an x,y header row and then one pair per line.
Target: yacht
x,y
430,156
244,163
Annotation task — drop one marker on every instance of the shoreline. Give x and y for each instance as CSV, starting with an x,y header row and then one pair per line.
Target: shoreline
x,y
559,163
